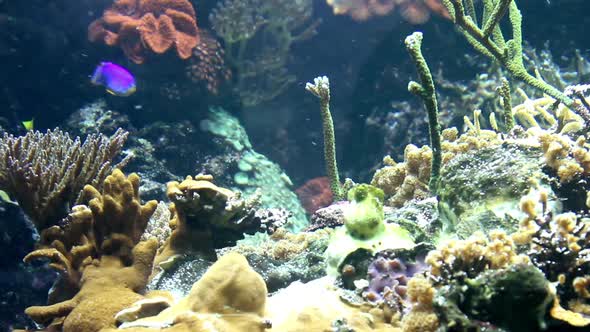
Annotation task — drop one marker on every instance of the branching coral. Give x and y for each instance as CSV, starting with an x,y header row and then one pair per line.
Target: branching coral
x,y
260,70
139,26
487,39
46,172
103,265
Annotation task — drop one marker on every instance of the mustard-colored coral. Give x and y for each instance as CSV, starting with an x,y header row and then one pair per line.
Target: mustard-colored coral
x,y
230,297
406,180
421,317
474,255
103,266
205,216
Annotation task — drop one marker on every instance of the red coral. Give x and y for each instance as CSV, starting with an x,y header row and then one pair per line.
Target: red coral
x,y
413,11
315,194
154,25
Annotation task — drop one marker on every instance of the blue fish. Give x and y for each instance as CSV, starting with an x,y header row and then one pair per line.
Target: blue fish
x,y
116,79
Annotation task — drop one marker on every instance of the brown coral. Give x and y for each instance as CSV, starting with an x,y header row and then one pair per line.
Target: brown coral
x,y
205,217
99,257
154,25
45,172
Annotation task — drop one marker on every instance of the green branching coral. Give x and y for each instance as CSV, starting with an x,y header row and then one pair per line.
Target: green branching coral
x,y
487,39
45,172
321,89
428,95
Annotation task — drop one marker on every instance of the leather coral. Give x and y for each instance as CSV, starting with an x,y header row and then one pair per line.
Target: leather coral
x,y
143,26
103,264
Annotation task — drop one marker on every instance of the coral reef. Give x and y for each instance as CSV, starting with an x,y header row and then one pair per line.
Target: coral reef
x,y
205,217
258,36
103,265
143,26
255,171
315,194
413,11
46,172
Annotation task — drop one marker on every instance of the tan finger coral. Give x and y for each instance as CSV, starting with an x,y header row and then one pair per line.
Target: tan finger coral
x,y
103,265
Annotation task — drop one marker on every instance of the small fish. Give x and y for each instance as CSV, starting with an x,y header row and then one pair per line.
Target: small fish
x,y
5,198
116,79
29,125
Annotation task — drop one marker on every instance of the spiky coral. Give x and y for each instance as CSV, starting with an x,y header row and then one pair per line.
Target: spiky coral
x,y
102,263
46,172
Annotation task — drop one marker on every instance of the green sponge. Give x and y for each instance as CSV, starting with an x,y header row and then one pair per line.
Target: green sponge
x,y
364,216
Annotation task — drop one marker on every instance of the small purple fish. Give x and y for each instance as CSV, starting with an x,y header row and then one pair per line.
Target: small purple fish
x,y
116,79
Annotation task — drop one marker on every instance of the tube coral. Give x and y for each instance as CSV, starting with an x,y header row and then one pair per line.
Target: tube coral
x,y
428,95
46,172
321,89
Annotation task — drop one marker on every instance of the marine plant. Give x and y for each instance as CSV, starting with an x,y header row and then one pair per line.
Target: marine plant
x,y
46,172
321,89
488,39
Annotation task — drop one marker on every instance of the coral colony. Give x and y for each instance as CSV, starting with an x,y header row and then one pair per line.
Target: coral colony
x,y
485,228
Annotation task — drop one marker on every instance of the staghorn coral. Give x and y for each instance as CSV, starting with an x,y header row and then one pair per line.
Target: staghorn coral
x,y
205,217
258,36
229,297
208,64
45,172
140,26
413,11
103,265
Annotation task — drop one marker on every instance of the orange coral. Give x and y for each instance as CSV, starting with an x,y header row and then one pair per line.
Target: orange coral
x,y
155,25
413,11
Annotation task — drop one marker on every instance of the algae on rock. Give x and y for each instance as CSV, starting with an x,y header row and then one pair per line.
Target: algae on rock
x,y
254,170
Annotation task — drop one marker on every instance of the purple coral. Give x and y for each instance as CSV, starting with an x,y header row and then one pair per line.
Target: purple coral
x,y
388,277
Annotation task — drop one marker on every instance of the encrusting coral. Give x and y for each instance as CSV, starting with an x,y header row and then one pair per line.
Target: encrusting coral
x,y
46,172
139,26
230,297
103,265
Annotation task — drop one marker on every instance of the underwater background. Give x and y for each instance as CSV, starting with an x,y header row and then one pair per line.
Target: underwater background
x,y
265,165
